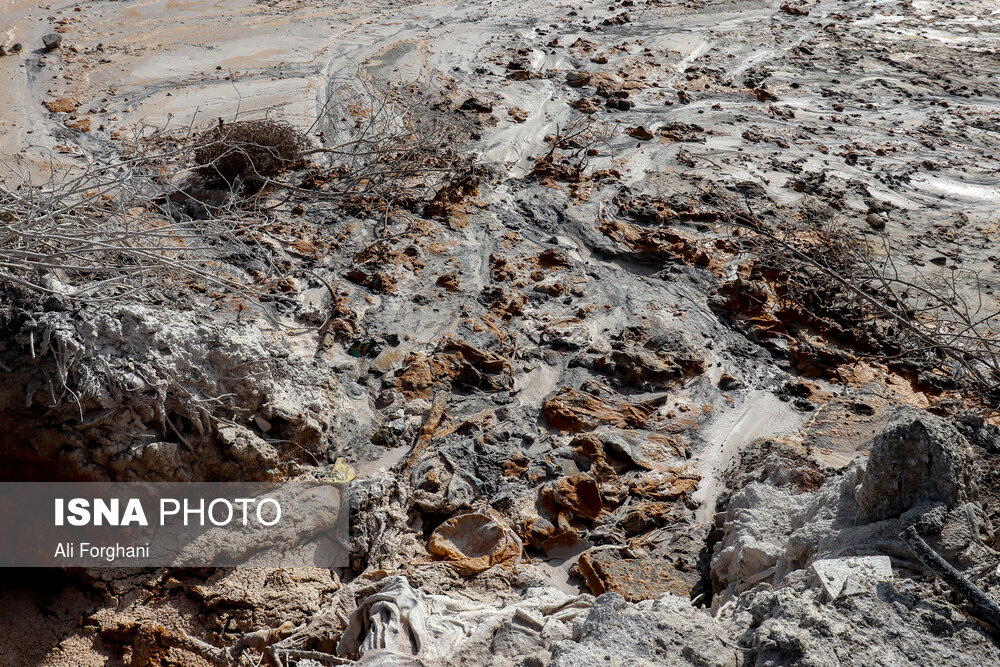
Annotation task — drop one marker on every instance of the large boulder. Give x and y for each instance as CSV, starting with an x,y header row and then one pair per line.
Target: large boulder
x,y
918,473
917,458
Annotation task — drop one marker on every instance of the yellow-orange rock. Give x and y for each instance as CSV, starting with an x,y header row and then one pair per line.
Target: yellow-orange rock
x,y
474,542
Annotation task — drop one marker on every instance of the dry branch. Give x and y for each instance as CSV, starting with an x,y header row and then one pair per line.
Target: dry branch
x,y
839,279
986,609
177,207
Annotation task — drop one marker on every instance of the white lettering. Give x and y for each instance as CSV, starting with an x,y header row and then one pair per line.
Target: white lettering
x,y
244,502
79,512
104,511
164,512
134,513
277,512
200,511
211,513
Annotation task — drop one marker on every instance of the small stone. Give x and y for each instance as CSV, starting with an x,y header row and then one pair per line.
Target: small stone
x,y
450,282
82,125
62,105
794,11
517,114
389,359
418,406
639,132
619,19
52,41
727,381
577,79
848,576
875,222
477,105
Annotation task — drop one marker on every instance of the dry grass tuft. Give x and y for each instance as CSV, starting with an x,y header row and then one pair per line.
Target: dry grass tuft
x,y
248,150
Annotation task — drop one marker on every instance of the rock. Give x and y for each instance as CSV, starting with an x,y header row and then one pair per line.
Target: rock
x,y
16,47
875,221
635,579
474,542
517,114
645,450
849,576
666,358
917,458
796,625
586,104
577,494
757,524
683,132
449,281
81,125
569,334
617,19
916,473
577,79
477,105
666,632
62,105
191,358
639,132
793,10
389,359
727,381
519,75
574,410
52,41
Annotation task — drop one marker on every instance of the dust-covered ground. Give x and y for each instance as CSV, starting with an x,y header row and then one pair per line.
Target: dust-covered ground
x,y
697,322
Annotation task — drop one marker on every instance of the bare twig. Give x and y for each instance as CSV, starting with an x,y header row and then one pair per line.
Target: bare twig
x,y
986,609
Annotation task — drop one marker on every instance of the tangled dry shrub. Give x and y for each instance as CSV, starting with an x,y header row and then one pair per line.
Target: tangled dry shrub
x,y
570,149
391,147
854,289
177,206
96,232
248,150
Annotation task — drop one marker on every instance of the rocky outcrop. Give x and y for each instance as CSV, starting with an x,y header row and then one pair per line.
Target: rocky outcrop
x,y
916,459
131,392
894,625
917,474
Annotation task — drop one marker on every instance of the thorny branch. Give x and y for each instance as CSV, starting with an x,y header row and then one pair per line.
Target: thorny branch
x,y
837,277
174,207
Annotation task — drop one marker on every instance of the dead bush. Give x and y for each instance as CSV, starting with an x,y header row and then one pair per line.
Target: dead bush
x,y
176,208
854,289
97,232
248,150
570,149
390,147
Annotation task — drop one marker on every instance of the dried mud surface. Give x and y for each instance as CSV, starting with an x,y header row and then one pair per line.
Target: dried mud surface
x,y
574,365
